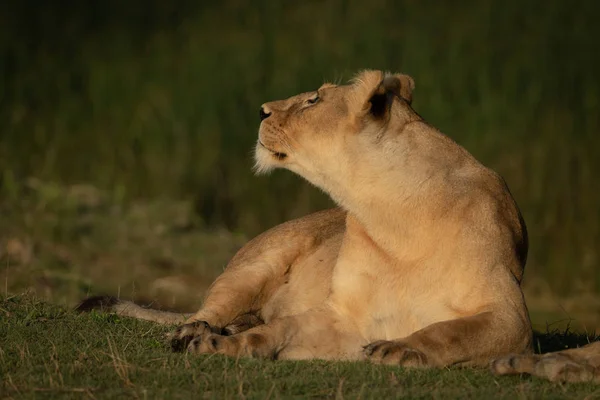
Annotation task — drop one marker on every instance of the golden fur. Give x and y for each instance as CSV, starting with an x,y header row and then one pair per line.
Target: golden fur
x,y
573,365
419,266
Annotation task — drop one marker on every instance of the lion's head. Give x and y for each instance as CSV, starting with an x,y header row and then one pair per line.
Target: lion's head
x,y
321,134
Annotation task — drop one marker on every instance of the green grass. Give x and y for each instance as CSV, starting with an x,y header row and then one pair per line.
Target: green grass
x,y
160,100
47,351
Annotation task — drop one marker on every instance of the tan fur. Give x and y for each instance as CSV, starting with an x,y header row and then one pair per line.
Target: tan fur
x,y
574,365
419,266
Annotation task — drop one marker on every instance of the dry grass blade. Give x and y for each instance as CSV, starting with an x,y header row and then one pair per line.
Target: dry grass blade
x,y
119,363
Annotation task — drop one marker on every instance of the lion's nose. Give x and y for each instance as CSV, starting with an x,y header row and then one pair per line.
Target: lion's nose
x,y
264,113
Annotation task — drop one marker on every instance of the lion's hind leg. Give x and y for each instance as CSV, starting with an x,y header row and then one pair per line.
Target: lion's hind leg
x,y
317,333
235,300
574,365
182,336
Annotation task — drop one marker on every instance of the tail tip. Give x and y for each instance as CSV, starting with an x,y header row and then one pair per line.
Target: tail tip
x,y
102,303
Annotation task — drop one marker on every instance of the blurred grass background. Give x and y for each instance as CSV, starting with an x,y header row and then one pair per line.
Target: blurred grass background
x,y
127,127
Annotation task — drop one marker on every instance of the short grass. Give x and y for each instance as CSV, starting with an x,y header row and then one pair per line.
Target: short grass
x,y
47,351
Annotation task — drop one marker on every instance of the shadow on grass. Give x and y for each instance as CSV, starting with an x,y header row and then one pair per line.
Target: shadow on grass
x,y
557,340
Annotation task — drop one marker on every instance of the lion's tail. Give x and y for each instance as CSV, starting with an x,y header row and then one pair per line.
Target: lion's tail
x,y
130,309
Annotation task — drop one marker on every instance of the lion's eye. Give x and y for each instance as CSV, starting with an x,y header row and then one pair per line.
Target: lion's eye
x,y
313,100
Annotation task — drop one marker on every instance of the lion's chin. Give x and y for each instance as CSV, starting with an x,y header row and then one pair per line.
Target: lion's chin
x,y
265,160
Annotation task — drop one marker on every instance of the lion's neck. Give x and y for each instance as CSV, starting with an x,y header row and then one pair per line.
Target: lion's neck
x,y
395,225
397,194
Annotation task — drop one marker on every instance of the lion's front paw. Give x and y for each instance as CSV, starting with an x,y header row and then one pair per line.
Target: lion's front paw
x,y
182,336
395,353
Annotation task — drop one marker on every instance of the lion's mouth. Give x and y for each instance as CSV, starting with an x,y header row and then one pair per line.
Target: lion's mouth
x,y
278,155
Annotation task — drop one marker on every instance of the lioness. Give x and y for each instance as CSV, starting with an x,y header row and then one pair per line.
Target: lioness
x,y
420,265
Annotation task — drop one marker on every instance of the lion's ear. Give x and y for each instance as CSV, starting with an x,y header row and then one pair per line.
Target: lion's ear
x,y
374,91
401,85
397,85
